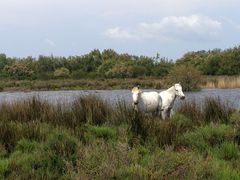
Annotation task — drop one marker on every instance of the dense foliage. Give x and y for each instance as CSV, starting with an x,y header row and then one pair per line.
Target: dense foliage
x,y
96,64
188,76
110,64
214,62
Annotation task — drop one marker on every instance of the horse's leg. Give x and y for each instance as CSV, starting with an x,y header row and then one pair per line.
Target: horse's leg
x,y
163,113
158,112
168,112
171,113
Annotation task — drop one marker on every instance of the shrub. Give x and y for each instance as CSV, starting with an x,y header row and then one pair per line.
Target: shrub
x,y
20,69
188,76
61,73
208,136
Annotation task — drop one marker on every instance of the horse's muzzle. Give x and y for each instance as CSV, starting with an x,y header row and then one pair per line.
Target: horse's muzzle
x,y
182,98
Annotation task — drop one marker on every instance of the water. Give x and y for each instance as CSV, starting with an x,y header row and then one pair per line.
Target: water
x,y
232,96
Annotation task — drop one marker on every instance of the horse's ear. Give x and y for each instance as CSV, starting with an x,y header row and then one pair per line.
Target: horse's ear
x,y
135,90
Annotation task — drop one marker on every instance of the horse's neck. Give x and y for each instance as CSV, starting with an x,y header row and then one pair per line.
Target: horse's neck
x,y
172,94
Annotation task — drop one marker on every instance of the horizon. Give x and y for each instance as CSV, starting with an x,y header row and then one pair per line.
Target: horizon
x,y
157,54
69,28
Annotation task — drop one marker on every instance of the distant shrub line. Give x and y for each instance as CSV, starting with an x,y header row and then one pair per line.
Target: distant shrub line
x,y
110,64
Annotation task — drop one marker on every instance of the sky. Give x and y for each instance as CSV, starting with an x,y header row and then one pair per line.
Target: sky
x,y
138,27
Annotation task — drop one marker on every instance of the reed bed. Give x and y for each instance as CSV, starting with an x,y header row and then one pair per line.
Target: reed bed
x,y
66,84
221,82
91,139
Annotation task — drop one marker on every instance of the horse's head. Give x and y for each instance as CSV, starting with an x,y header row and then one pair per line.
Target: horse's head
x,y
135,94
179,92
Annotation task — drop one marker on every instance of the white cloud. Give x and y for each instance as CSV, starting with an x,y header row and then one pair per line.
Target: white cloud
x,y
49,42
171,27
118,33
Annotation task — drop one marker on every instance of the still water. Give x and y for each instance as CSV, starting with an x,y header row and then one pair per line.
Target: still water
x,y
231,96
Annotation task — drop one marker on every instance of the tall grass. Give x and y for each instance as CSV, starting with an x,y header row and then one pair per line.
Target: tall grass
x,y
91,139
221,82
213,109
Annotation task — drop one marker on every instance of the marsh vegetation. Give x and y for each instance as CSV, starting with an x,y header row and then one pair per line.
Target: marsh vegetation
x,y
92,139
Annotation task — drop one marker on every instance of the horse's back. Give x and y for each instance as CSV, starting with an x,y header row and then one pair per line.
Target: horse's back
x,y
150,101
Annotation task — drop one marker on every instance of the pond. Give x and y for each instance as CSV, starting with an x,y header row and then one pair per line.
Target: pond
x,y
231,96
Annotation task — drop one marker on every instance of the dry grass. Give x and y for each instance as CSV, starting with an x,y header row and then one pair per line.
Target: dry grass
x,y
67,84
221,82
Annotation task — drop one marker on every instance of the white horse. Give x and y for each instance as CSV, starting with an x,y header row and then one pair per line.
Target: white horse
x,y
146,101
168,98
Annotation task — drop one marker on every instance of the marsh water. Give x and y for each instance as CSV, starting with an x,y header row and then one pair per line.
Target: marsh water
x,y
231,96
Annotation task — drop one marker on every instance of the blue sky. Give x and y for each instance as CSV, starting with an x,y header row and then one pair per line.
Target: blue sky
x,y
139,27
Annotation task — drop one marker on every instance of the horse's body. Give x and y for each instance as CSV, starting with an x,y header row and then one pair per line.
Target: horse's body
x,y
168,98
146,101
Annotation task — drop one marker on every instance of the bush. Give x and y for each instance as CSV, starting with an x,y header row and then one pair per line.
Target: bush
x,y
61,73
20,69
187,75
206,137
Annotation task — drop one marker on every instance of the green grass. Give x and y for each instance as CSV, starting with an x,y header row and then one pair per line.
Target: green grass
x,y
89,139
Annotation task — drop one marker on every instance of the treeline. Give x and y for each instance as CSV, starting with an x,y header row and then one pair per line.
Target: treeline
x,y
214,62
96,64
110,64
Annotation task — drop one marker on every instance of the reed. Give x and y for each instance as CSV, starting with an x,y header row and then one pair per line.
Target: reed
x,y
221,82
67,84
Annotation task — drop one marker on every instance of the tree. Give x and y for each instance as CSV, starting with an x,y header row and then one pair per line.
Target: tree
x,y
162,68
61,73
20,69
109,54
3,61
188,76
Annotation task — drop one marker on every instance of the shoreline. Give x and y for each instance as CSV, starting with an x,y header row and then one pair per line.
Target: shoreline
x,y
207,82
